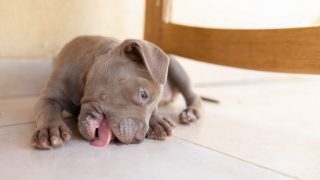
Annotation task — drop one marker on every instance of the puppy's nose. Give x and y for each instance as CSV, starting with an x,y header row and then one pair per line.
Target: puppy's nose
x,y
127,130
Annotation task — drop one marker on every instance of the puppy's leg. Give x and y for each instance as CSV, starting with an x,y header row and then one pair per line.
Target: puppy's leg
x,y
51,131
160,127
180,80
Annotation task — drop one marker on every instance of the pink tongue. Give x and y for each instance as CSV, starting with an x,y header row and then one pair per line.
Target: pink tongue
x,y
104,133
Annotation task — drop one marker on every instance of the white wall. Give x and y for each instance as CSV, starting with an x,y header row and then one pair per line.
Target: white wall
x,y
38,28
247,13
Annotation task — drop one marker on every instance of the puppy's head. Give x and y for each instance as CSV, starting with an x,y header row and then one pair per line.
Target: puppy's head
x,y
122,90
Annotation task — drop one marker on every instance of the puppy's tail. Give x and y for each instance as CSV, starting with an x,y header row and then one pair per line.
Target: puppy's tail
x,y
207,99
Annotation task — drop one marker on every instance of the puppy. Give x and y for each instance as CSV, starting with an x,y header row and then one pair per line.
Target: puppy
x,y
114,88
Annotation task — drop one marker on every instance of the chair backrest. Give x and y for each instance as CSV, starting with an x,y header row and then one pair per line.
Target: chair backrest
x,y
294,50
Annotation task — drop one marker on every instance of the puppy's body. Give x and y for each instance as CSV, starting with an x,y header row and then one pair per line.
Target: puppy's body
x,y
99,80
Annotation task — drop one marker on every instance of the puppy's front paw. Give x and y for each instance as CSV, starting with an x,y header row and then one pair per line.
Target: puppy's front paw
x,y
160,127
51,136
190,114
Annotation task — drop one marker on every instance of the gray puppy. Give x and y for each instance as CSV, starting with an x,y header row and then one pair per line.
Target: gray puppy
x,y
114,88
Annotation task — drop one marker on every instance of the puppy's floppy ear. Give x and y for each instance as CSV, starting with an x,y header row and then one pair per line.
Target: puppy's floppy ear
x,y
155,60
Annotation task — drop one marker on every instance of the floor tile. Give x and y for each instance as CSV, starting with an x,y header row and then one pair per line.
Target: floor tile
x,y
275,125
170,159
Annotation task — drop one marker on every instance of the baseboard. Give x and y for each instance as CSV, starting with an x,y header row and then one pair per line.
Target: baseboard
x,y
23,77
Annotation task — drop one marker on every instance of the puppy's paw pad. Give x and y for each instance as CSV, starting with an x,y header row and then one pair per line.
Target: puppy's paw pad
x,y
160,127
189,115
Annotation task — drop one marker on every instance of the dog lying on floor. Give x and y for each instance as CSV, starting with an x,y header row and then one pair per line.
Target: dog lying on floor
x,y
114,88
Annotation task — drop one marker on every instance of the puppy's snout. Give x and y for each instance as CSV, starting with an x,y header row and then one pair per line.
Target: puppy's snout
x,y
128,131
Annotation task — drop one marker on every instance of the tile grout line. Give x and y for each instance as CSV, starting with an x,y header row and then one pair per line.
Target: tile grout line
x,y
26,123
35,95
17,124
237,158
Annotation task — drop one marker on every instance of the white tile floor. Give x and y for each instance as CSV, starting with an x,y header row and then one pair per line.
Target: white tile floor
x,y
266,127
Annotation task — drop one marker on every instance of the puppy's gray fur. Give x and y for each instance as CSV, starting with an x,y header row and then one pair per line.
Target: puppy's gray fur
x,y
124,81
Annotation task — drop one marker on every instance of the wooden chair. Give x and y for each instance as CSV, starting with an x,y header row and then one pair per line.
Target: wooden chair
x,y
293,50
